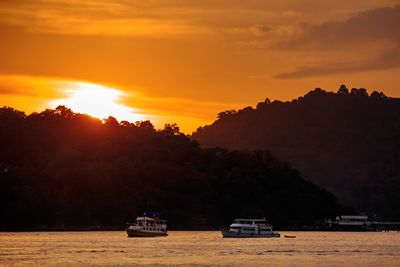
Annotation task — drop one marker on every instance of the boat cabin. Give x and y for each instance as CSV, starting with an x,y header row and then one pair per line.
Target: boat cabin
x,y
150,224
250,226
251,221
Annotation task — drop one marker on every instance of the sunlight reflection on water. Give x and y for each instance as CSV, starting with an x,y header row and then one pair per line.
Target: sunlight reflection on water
x,y
198,248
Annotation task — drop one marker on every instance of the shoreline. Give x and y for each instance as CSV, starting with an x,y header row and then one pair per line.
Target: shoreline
x,y
114,228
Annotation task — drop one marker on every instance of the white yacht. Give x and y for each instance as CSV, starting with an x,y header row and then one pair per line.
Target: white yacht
x,y
147,227
250,228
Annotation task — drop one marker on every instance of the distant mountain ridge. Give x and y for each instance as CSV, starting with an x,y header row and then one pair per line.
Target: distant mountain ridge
x,y
347,142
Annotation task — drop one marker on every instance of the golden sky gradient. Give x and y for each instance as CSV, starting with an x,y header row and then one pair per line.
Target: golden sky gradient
x,y
185,61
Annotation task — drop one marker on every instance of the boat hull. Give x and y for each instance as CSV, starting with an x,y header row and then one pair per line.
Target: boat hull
x,y
229,234
139,233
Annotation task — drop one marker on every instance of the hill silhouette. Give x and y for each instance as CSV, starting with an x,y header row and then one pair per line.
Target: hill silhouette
x,y
59,168
346,142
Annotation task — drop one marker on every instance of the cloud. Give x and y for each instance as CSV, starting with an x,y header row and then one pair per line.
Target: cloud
x,y
366,41
6,91
25,86
376,25
261,29
110,18
183,107
225,42
291,13
163,17
385,61
12,90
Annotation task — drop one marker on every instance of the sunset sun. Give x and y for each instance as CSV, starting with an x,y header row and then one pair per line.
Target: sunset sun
x,y
96,100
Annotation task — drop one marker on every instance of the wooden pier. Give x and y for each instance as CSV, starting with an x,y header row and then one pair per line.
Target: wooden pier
x,y
360,223
385,226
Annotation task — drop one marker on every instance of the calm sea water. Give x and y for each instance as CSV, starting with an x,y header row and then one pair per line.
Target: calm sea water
x,y
198,248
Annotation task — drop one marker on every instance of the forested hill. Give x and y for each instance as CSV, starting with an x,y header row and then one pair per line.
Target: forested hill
x,y
58,168
347,142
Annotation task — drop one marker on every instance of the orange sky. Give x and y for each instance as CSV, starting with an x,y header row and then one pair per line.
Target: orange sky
x,y
185,61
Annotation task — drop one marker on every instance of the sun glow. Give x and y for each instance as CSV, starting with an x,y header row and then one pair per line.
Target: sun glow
x,y
96,100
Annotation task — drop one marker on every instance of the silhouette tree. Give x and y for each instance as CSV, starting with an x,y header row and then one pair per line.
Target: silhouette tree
x,y
343,90
170,129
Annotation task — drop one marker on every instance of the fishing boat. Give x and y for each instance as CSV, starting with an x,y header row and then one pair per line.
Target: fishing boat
x,y
249,228
147,226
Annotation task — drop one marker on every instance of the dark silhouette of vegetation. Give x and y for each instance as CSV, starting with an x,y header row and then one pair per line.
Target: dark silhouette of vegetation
x,y
346,142
59,168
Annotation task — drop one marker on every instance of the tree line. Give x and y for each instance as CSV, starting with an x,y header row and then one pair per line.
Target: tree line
x,y
60,168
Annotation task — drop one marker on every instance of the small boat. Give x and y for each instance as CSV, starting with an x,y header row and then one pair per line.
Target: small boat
x,y
249,228
147,227
290,236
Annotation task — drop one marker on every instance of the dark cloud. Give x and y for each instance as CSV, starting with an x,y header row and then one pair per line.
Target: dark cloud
x,y
6,91
388,60
364,34
380,24
261,29
9,90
